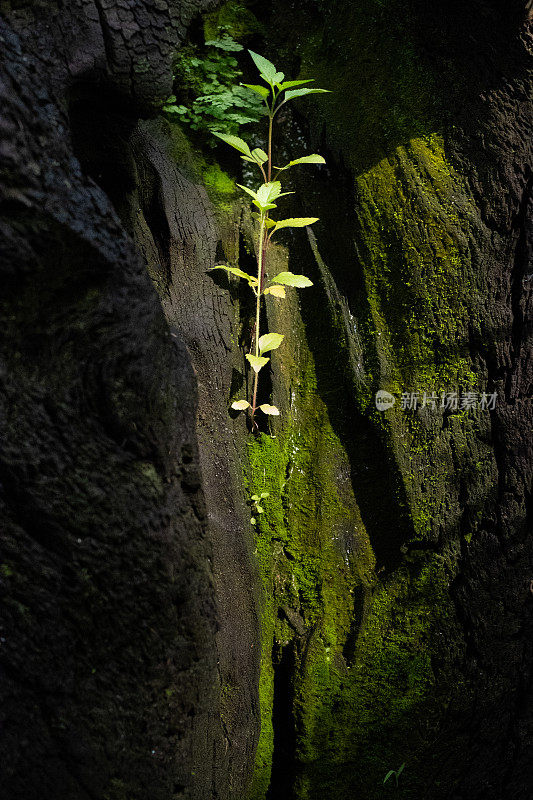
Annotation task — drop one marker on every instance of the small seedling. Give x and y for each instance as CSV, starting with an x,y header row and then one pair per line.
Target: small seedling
x,y
274,95
257,508
396,773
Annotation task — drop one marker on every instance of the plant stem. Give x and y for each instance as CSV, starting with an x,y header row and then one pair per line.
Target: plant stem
x,y
260,253
261,258
270,121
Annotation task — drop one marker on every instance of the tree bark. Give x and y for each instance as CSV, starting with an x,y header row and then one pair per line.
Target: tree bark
x,y
381,611
107,641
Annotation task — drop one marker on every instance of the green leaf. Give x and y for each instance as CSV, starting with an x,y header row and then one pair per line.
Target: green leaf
x,y
235,271
270,341
266,207
249,191
312,159
269,192
272,411
258,89
389,774
400,769
259,155
295,222
255,498
257,362
289,279
265,195
170,100
275,291
292,93
225,43
240,405
260,509
265,67
278,77
252,520
290,84
264,494
234,141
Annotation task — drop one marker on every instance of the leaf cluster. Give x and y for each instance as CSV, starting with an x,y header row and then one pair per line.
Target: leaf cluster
x,y
274,95
274,92
211,97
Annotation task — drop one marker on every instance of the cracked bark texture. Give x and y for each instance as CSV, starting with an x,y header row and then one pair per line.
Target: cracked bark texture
x,y
174,224
107,644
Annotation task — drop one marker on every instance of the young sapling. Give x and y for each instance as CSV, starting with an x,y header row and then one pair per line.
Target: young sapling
x,y
274,94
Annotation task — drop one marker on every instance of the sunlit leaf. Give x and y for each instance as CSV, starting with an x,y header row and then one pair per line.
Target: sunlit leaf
x,y
238,272
265,67
269,192
266,207
276,291
295,222
290,84
270,341
312,159
257,362
289,279
264,494
272,411
260,509
292,93
259,155
252,520
234,141
240,405
255,498
249,191
261,90
278,77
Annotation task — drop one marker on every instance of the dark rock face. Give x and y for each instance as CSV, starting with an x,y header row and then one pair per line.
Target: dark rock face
x,y
107,625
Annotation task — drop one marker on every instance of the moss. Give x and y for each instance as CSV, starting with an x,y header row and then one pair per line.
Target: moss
x,y
372,643
233,17
312,547
373,667
417,268
217,181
